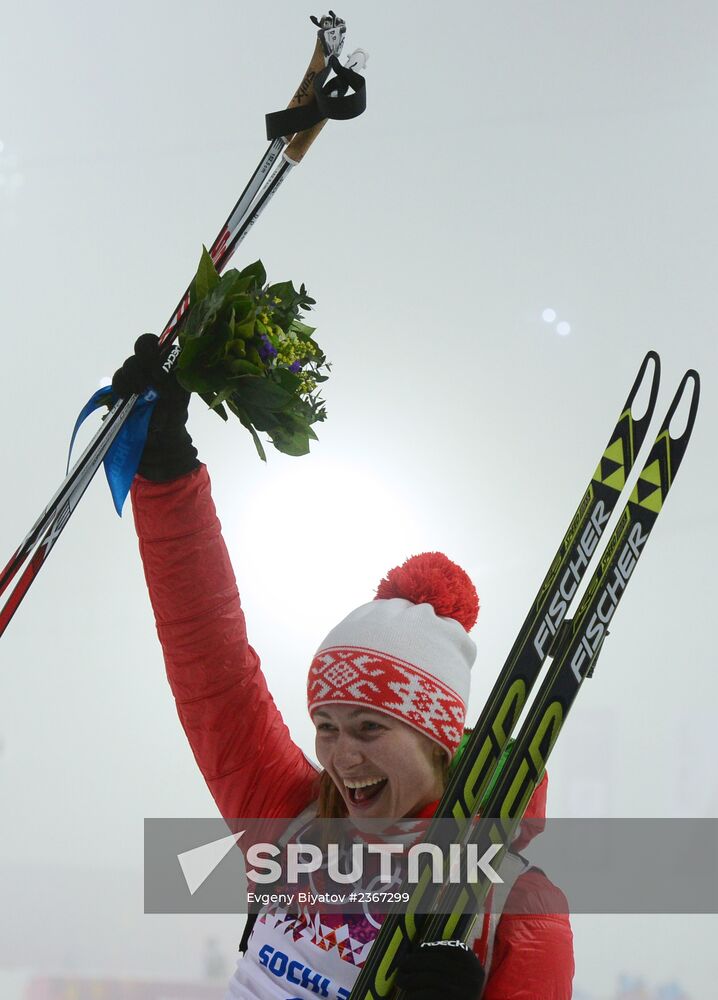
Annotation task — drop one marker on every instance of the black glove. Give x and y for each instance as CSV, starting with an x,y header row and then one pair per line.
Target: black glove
x,y
168,451
441,970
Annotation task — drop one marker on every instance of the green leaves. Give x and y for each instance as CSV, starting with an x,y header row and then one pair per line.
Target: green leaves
x,y
205,279
246,350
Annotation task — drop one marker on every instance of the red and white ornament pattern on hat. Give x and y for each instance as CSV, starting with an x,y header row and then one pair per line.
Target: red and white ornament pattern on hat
x,y
406,653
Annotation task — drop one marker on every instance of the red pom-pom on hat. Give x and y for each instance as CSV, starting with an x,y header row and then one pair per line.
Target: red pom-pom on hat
x,y
432,578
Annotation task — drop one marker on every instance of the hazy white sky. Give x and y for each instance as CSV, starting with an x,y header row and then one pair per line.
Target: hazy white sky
x,y
513,158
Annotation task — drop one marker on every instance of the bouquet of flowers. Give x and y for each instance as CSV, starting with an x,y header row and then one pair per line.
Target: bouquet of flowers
x,y
246,349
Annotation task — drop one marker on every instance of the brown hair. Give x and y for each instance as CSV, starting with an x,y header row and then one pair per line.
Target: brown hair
x,y
331,803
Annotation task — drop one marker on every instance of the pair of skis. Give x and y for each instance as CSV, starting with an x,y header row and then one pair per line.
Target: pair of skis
x,y
448,912
317,95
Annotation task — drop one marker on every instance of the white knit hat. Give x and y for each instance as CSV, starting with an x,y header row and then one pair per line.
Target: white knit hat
x,y
407,652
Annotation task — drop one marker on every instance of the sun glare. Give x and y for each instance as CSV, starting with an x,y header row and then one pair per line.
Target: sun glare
x,y
324,532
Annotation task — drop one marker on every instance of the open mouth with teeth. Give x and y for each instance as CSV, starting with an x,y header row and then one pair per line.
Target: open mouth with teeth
x,y
365,791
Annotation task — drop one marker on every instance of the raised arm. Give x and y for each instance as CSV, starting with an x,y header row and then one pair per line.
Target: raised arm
x,y
236,732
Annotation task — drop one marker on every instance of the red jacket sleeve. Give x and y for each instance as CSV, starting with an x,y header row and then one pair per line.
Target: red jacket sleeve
x,y
236,732
533,950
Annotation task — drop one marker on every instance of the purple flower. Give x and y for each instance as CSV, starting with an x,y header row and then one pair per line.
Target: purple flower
x,y
296,366
267,350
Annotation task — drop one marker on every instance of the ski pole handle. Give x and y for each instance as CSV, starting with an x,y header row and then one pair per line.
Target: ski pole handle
x,y
298,146
304,93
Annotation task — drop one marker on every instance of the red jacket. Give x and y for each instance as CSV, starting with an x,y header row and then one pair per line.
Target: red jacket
x,y
215,675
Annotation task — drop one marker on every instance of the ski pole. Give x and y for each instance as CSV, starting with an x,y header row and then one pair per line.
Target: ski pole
x,y
230,236
227,234
55,516
292,155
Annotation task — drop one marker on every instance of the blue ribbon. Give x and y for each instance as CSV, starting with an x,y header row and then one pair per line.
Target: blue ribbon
x,y
124,454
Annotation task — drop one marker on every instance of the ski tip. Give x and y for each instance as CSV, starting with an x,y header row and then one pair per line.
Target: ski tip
x,y
640,388
681,401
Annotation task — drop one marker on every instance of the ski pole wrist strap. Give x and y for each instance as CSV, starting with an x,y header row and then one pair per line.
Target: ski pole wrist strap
x,y
331,100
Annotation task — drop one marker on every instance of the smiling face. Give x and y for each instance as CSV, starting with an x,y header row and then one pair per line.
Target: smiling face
x,y
382,767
